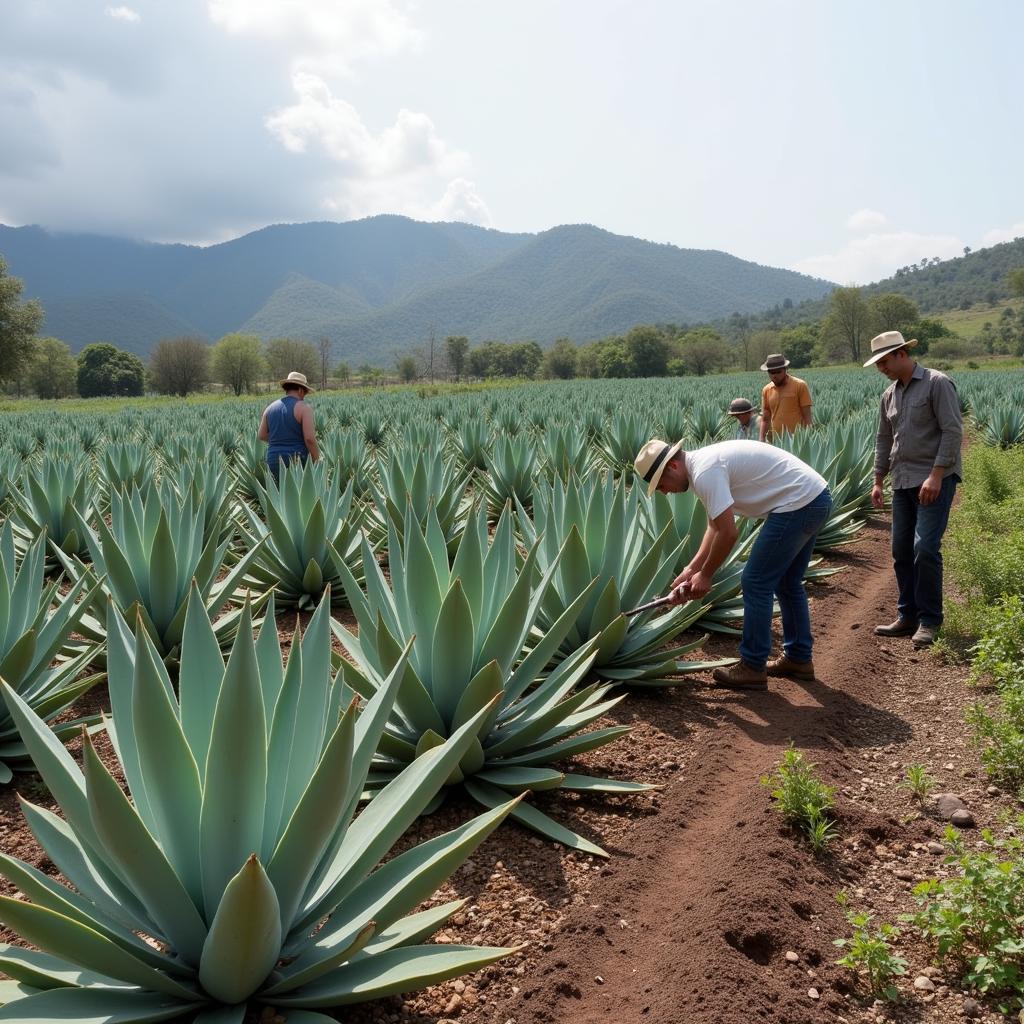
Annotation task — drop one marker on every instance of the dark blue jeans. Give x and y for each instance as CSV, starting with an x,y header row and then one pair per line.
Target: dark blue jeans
x,y
917,551
775,568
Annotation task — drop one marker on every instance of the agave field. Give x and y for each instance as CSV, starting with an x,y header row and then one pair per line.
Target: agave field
x,y
233,829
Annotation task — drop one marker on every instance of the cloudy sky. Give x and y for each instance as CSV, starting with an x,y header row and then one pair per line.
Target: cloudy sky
x,y
836,137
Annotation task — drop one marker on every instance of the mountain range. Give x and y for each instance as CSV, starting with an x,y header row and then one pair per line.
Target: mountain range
x,y
380,285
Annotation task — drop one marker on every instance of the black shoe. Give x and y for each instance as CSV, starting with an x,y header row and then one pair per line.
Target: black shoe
x,y
901,627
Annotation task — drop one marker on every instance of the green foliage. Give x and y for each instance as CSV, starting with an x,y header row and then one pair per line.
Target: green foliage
x,y
407,369
919,782
179,366
1015,279
560,360
974,917
803,800
869,952
998,656
19,322
106,370
51,371
235,850
456,347
505,359
283,355
237,362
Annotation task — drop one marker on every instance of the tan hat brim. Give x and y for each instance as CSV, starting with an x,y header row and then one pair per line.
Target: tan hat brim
x,y
297,384
653,482
875,356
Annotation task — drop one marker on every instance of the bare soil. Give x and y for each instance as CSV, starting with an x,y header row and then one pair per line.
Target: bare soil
x,y
706,891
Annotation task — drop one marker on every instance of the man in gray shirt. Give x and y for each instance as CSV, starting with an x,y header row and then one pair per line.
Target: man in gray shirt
x,y
920,429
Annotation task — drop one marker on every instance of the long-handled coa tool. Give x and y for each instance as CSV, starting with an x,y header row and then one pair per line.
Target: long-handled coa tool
x,y
658,602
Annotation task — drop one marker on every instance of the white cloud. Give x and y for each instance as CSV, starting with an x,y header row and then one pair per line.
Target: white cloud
x,y
997,235
123,14
878,256
394,171
865,220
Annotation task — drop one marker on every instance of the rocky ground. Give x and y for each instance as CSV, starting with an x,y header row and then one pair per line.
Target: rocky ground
x,y
709,909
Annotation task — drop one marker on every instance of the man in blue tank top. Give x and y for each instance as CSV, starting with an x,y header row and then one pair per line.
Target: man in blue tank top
x,y
287,425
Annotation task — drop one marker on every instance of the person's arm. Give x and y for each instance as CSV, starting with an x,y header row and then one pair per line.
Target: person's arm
x,y
309,433
723,536
946,408
264,432
697,561
805,405
766,416
883,453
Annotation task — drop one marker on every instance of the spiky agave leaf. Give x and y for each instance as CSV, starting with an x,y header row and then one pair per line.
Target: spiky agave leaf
x,y
309,529
203,893
50,493
470,624
36,661
592,529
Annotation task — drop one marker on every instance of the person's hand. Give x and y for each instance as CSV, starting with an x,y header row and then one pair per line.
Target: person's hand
x,y
680,594
929,491
700,584
877,498
682,578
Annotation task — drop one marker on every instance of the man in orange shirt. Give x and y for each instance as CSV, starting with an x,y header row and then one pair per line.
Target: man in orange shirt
x,y
785,400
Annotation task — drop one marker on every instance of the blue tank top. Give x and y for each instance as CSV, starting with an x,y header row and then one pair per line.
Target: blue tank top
x,y
284,429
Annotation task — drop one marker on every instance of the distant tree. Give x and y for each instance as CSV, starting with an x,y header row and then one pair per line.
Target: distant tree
x,y
762,344
848,324
926,332
648,351
106,370
526,359
286,354
615,360
892,312
799,344
237,362
456,348
967,250
323,347
51,371
343,372
1015,279
587,360
408,370
179,366
19,322
560,360
703,351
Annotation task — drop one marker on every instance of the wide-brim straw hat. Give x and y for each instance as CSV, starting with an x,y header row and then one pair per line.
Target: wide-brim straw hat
x,y
776,361
295,378
886,342
738,406
652,460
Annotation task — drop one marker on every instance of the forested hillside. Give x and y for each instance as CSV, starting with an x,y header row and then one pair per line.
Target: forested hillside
x,y
377,286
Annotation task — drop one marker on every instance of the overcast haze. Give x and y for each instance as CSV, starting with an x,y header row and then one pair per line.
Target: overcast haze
x,y
841,139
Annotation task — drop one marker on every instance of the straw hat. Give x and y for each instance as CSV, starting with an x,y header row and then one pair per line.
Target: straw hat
x,y
297,379
652,460
886,342
775,362
738,406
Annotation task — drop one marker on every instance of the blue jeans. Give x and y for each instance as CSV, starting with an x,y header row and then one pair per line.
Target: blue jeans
x,y
276,459
775,568
917,551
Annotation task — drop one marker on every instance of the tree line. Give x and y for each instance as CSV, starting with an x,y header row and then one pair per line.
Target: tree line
x,y
242,363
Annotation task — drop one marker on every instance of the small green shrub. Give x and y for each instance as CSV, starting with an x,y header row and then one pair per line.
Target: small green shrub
x,y
998,656
976,918
869,953
804,801
919,782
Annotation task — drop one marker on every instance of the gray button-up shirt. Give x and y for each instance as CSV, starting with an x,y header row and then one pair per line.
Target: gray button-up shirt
x,y
920,427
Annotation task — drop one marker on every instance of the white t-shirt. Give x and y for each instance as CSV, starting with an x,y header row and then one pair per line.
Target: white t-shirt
x,y
755,478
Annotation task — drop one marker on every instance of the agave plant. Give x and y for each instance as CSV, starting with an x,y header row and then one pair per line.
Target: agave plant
x,y
125,464
412,482
593,530
471,441
471,622
565,450
35,625
149,554
511,473
1002,423
249,464
310,531
51,492
209,484
213,891
10,471
345,452
623,436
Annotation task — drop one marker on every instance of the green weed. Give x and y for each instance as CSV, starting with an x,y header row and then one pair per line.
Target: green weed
x,y
804,801
869,953
919,782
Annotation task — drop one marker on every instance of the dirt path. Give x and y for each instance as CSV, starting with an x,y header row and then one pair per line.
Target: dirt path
x,y
694,916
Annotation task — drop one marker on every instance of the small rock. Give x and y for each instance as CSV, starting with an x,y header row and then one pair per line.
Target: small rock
x,y
905,876
923,984
947,803
934,847
813,993
949,766
793,958
992,790
962,818
599,979
454,1004
972,1008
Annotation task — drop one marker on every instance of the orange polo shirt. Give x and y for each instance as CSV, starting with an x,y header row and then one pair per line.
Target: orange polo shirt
x,y
782,405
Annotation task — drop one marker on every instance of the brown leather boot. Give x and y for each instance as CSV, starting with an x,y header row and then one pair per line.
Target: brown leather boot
x,y
901,627
741,676
786,667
